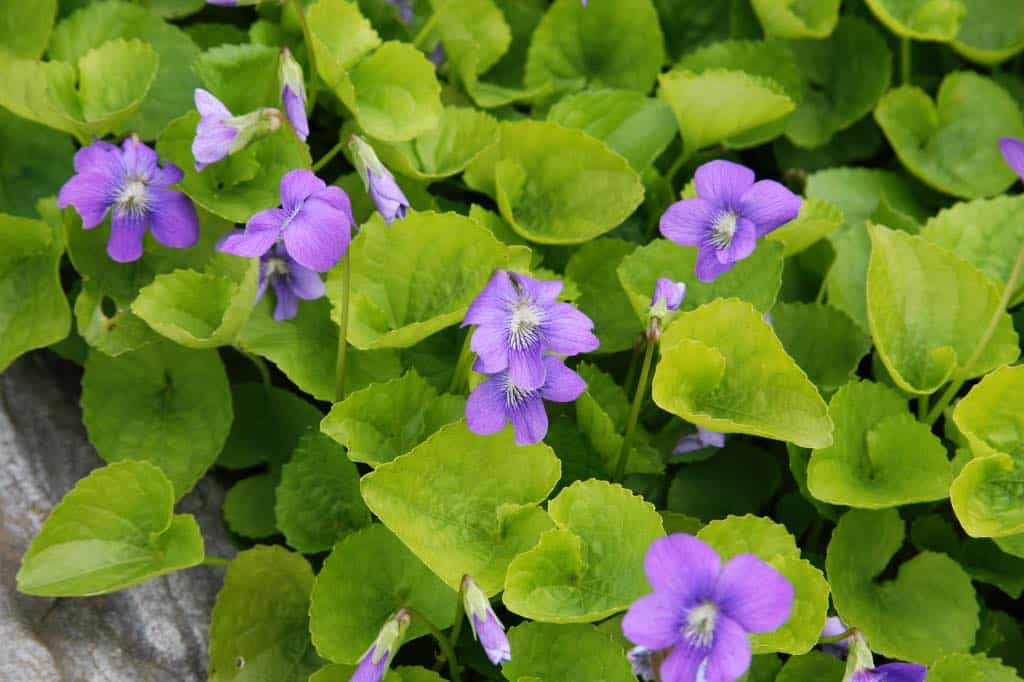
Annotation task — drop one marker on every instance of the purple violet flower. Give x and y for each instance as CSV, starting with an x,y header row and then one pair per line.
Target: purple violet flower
x,y
293,93
834,626
131,182
1013,152
404,8
518,319
314,222
220,134
498,400
703,611
892,672
669,294
641,659
380,184
289,280
700,439
487,629
374,663
731,212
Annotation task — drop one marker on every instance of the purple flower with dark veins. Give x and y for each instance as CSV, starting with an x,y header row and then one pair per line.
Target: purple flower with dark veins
x,y
293,93
892,672
289,280
499,400
314,223
374,663
380,184
703,611
1013,152
731,212
700,439
131,182
518,319
487,629
220,134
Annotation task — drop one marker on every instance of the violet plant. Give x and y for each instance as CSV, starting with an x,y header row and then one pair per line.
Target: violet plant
x,y
535,340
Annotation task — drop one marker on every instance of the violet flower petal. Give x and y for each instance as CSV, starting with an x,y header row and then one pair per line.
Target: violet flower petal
x,y
683,566
492,638
306,283
754,594
318,235
387,196
561,385
139,159
543,292
1013,152
902,672
174,219
287,302
730,654
488,306
126,233
654,621
297,186
485,407
91,194
568,331
723,182
529,420
525,366
261,232
687,222
709,267
368,671
295,110
769,205
681,664
744,240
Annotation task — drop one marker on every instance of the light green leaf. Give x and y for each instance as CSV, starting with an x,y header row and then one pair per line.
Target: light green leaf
x,y
991,32
814,666
368,576
951,143
568,198
806,328
36,162
722,368
900,617
25,27
860,191
844,78
602,298
797,18
460,136
173,9
928,310
755,279
977,668
164,404
637,127
341,37
243,77
587,568
719,104
985,232
738,480
306,348
937,20
243,183
881,457
108,326
201,310
565,653
266,427
399,296
478,511
171,94
116,528
817,220
249,507
396,95
573,48
318,499
987,493
772,542
386,420
259,628
33,310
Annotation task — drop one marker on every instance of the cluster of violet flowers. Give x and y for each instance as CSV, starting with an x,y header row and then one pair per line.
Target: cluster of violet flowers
x,y
519,321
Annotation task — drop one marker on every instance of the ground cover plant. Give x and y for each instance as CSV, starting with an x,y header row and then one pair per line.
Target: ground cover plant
x,y
538,341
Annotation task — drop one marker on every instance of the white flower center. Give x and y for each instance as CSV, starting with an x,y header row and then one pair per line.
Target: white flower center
x,y
514,395
723,229
700,624
133,197
523,324
276,267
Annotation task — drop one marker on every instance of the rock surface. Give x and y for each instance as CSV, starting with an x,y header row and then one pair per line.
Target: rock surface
x,y
154,632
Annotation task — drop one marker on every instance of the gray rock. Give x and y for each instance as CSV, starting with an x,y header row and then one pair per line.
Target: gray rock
x,y
156,631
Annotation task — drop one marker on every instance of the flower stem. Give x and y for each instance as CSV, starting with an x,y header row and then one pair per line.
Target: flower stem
x,y
986,337
837,638
634,362
459,374
453,636
428,27
215,561
905,61
634,412
339,373
673,170
447,650
310,52
922,407
326,158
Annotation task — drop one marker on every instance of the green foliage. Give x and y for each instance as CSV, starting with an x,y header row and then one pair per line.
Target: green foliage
x,y
797,19
977,667
738,480
116,528
267,424
249,507
991,32
461,135
237,76
936,20
26,27
565,653
593,267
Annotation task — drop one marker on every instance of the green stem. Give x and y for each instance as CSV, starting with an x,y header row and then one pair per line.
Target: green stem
x,y
326,158
922,407
905,61
822,291
677,165
459,375
215,561
634,363
453,636
339,373
836,638
447,650
986,337
428,27
260,365
634,412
